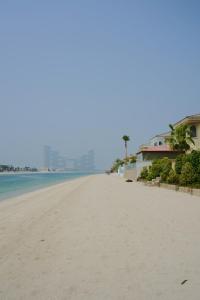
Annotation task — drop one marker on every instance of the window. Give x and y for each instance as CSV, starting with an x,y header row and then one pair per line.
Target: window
x,y
193,131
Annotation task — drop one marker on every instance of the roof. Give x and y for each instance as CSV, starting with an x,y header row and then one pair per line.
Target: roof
x,y
162,148
192,119
164,134
188,120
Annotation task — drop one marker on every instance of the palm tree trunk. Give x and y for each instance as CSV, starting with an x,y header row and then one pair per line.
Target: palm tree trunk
x,y
126,150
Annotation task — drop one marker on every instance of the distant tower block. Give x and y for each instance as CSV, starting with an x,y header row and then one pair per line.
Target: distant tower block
x,y
47,157
91,160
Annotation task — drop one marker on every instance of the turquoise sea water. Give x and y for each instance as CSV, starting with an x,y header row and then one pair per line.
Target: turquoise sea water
x,y
16,184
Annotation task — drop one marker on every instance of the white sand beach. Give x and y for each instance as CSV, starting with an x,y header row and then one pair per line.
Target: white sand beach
x,y
100,238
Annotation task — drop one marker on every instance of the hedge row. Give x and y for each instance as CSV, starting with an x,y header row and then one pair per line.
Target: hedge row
x,y
185,173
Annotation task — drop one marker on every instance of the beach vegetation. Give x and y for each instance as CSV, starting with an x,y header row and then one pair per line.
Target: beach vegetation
x,y
187,175
117,163
186,171
126,139
159,168
166,166
173,177
132,159
179,163
10,168
120,162
180,138
144,173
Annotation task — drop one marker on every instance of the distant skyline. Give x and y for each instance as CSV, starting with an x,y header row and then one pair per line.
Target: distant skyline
x,y
79,75
54,160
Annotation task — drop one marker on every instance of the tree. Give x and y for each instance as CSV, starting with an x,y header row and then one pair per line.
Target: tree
x,y
180,138
126,139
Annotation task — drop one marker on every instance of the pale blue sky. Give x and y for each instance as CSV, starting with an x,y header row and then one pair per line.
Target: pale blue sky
x,y
78,75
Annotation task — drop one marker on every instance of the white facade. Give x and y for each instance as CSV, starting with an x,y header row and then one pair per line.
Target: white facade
x,y
157,141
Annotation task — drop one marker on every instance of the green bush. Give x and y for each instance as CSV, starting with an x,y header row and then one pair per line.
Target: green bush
x,y
118,162
173,178
160,168
166,167
150,176
180,161
155,169
187,174
132,159
194,159
144,173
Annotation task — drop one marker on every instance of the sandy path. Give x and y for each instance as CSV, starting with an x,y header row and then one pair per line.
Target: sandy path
x,y
100,238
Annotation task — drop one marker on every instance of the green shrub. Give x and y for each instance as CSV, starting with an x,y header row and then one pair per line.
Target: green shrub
x,y
194,159
187,174
173,178
166,167
118,162
155,169
160,168
150,176
196,185
144,173
180,161
132,159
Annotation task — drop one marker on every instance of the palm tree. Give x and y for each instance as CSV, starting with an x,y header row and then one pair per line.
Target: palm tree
x,y
126,138
180,138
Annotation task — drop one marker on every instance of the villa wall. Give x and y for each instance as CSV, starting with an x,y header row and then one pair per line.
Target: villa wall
x,y
130,174
157,141
133,171
121,171
197,139
150,156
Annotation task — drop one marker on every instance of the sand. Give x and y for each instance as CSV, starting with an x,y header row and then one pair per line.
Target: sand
x,y
99,237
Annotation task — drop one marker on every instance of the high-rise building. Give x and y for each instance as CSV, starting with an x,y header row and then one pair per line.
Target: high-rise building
x,y
86,162
47,157
54,161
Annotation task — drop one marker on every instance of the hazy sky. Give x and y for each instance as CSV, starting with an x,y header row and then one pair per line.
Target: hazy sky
x,y
77,75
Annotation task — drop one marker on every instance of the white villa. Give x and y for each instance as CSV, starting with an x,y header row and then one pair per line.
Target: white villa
x,y
158,147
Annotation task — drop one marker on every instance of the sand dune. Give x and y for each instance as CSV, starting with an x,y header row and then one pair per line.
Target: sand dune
x,y
100,238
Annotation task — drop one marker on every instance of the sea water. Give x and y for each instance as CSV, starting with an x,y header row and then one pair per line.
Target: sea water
x,y
16,184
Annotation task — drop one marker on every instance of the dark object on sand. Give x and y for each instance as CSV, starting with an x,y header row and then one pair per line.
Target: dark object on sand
x,y
129,180
184,281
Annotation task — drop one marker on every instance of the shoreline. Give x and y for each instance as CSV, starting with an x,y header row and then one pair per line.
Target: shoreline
x,y
27,190
47,172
